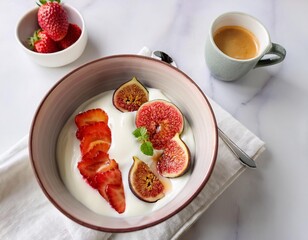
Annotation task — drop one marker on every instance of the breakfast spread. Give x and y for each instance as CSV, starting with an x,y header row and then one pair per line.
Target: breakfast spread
x,y
56,32
129,150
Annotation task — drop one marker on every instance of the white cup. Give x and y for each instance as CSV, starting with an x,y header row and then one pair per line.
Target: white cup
x,y
227,68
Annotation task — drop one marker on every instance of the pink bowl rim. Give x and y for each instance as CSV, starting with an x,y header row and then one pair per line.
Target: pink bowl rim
x,y
140,227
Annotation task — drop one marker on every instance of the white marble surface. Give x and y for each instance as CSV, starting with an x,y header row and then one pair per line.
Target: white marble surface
x,y
268,203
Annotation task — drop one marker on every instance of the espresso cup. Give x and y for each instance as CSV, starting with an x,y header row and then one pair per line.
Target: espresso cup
x,y
238,43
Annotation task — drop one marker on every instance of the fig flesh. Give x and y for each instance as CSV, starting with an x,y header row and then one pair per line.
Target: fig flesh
x,y
162,119
130,96
175,159
144,183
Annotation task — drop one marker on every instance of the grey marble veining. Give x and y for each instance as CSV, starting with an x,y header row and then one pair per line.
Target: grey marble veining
x,y
268,203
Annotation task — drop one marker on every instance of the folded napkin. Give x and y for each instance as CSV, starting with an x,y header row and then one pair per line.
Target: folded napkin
x,y
26,213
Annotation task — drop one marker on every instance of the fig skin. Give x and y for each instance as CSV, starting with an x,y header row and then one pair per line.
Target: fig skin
x,y
130,96
175,160
162,119
143,183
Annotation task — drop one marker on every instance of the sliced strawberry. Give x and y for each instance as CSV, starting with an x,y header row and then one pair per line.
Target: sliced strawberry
x,y
93,128
116,197
88,142
109,177
101,172
99,147
89,167
91,116
108,166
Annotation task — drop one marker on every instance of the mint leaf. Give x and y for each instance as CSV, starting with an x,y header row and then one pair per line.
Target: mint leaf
x,y
143,137
147,148
143,131
141,134
137,132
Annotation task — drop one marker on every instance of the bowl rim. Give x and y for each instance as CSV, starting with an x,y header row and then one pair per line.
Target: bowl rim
x,y
134,228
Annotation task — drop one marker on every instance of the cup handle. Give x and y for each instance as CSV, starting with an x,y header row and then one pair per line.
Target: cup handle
x,y
278,51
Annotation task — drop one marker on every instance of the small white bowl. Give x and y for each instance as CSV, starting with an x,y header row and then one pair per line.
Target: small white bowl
x,y
28,24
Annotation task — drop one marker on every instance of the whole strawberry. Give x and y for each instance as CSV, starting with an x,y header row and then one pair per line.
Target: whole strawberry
x,y
52,18
73,33
41,42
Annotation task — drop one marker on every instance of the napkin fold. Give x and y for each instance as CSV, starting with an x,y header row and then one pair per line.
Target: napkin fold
x,y
26,213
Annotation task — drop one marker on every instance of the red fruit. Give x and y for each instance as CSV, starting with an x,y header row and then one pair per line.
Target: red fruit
x,y
88,142
52,18
93,128
116,197
162,120
130,96
89,167
100,172
144,183
73,33
91,116
175,159
40,42
89,145
108,166
109,177
99,147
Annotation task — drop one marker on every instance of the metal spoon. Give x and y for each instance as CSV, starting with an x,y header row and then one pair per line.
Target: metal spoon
x,y
236,150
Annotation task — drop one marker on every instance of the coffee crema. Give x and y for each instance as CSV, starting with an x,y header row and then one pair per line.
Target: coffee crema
x,y
236,42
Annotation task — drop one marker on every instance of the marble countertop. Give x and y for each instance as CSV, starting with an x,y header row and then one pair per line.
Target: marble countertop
x,y
268,203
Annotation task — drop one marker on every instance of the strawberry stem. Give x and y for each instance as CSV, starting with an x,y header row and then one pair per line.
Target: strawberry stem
x,y
32,40
42,2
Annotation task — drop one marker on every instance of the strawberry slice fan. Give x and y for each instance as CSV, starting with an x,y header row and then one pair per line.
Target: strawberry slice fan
x,y
100,172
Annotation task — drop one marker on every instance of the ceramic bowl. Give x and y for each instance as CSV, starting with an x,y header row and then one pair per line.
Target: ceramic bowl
x,y
106,74
28,24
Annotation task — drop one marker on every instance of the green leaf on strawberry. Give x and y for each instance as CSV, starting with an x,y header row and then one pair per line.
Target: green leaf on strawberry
x,y
41,2
41,42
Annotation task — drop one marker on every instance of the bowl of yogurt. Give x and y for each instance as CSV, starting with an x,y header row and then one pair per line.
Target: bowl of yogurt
x,y
55,150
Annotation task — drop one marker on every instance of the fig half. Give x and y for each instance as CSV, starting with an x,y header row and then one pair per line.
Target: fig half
x,y
130,96
144,183
162,119
175,159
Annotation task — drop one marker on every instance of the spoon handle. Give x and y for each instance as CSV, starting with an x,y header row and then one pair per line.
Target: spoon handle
x,y
238,152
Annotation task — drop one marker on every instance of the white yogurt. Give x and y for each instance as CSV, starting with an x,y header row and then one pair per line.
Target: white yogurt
x,y
123,147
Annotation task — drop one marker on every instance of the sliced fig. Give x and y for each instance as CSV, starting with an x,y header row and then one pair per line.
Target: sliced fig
x,y
144,183
130,96
175,159
162,119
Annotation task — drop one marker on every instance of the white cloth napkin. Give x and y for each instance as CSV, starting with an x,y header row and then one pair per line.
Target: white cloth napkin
x,y
27,214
